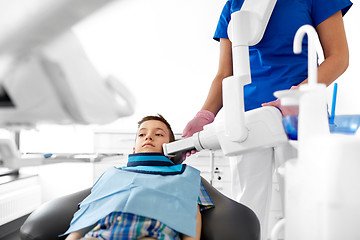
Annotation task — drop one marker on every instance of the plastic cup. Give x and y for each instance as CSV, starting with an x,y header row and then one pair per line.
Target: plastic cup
x,y
290,121
345,124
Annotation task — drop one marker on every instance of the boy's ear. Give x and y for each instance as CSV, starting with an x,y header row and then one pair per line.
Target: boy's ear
x,y
133,149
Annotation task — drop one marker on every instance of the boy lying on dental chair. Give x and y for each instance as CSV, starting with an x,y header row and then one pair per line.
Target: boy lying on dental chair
x,y
150,198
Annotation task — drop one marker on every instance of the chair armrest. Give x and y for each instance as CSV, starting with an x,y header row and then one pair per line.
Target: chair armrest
x,y
229,220
52,218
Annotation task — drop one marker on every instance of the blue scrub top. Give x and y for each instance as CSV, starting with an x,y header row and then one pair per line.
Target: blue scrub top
x,y
273,64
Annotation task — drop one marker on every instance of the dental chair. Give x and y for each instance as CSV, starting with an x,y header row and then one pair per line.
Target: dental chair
x,y
229,220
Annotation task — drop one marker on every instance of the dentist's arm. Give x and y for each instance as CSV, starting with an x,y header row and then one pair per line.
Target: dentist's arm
x,y
213,102
336,52
333,41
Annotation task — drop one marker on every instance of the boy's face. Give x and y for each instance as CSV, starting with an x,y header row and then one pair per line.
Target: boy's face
x,y
151,136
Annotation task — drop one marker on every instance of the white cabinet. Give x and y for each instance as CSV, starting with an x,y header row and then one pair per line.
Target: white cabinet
x,y
214,167
19,195
61,179
101,167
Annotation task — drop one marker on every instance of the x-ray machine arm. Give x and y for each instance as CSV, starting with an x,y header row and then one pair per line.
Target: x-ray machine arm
x,y
239,131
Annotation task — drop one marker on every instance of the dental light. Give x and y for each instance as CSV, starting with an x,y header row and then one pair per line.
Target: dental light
x,y
59,85
48,77
45,74
240,131
26,25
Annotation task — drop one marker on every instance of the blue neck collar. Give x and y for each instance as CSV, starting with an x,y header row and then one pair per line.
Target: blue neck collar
x,y
152,163
148,159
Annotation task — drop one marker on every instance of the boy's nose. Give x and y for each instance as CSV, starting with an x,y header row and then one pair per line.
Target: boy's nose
x,y
148,138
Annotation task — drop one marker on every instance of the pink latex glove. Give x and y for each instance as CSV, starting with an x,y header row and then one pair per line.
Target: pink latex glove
x,y
284,110
201,119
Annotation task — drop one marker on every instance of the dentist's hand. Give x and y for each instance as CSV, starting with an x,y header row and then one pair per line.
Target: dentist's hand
x,y
284,110
276,103
197,124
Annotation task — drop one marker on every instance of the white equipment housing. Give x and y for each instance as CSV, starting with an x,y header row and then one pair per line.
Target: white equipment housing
x,y
240,132
58,85
45,74
322,184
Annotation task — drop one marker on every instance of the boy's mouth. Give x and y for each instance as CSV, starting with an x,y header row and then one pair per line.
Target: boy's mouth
x,y
148,144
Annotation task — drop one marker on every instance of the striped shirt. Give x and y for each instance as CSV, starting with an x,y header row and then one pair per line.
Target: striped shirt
x,y
125,226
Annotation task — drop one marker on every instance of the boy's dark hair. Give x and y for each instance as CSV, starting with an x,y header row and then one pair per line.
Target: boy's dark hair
x,y
161,119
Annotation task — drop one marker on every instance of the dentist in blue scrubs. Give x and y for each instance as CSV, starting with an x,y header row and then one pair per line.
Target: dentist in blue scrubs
x,y
274,67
